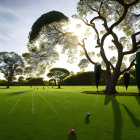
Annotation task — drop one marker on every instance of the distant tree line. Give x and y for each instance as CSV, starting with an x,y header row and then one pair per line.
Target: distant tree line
x,y
88,78
81,78
31,81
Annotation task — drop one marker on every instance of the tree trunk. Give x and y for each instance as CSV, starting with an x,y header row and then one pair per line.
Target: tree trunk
x,y
58,84
8,83
111,82
10,78
115,76
54,82
108,79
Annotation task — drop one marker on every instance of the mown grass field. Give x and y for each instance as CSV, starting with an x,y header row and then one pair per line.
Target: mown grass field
x,y
36,114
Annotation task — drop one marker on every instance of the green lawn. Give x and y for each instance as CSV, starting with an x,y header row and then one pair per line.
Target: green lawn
x,y
36,114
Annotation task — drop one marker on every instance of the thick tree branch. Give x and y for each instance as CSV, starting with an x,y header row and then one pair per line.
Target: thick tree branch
x,y
99,15
108,64
94,63
118,45
96,31
130,66
98,39
138,43
120,19
101,18
101,5
101,44
133,50
86,53
135,44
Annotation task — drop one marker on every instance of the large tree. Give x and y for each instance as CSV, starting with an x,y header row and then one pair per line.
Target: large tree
x,y
118,20
59,74
11,64
111,21
46,33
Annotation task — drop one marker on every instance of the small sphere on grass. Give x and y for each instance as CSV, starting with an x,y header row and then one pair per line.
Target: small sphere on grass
x,y
88,114
72,131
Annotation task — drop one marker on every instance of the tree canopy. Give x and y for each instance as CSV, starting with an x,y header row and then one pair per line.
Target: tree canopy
x,y
58,74
44,20
11,64
47,32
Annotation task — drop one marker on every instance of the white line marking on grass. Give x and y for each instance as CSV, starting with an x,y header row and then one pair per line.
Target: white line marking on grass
x,y
49,104
95,101
68,102
61,105
14,106
33,110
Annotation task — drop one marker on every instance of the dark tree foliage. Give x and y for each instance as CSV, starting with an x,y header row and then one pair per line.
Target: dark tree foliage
x,y
52,82
20,79
50,75
59,74
36,82
3,82
97,74
133,76
29,78
48,18
82,78
138,69
126,79
132,80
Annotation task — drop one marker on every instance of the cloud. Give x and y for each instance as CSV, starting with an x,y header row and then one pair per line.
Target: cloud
x,y
7,17
18,16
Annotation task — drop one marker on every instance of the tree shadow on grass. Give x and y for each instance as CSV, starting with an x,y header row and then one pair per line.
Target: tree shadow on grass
x,y
118,93
87,120
138,99
72,137
13,93
16,93
135,121
117,116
